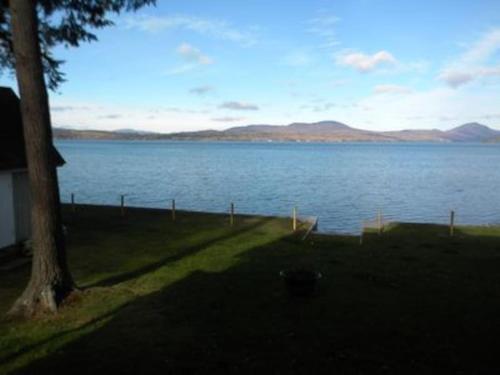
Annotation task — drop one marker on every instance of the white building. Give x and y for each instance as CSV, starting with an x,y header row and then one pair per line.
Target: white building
x,y
15,207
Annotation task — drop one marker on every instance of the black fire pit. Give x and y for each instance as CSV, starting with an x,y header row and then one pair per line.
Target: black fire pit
x,y
300,282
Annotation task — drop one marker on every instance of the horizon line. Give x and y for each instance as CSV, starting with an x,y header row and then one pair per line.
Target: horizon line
x,y
131,129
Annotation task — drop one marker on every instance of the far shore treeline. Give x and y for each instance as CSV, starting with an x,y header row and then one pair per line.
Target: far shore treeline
x,y
324,131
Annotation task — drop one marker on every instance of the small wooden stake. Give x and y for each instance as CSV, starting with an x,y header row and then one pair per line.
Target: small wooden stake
x,y
379,221
294,219
173,209
73,202
231,216
452,223
122,205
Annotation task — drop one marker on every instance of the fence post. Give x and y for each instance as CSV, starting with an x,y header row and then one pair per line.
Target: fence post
x,y
452,223
294,219
122,205
379,222
73,202
231,214
173,209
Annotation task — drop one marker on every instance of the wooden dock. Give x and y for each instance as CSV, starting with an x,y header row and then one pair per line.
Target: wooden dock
x,y
312,221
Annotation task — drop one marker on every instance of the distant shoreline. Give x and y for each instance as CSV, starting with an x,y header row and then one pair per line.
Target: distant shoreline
x,y
319,132
208,141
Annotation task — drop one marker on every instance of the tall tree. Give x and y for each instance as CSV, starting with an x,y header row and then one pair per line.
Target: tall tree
x,y
28,31
51,280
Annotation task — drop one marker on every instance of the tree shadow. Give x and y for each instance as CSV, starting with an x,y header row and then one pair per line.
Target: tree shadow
x,y
440,317
12,356
217,310
176,257
90,217
239,229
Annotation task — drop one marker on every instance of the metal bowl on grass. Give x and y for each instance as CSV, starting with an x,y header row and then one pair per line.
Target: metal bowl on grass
x,y
301,282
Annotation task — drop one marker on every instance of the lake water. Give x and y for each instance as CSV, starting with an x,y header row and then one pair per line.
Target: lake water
x,y
343,184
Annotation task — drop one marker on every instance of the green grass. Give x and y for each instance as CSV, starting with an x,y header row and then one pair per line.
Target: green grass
x,y
196,295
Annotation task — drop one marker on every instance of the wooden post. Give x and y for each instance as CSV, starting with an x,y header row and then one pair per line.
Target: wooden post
x,y
361,234
122,205
173,209
72,202
452,223
379,222
294,219
231,216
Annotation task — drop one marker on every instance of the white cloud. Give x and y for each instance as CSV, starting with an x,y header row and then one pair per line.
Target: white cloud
x,y
181,69
193,58
204,26
319,107
111,116
456,78
228,119
459,77
440,107
473,64
201,90
490,72
239,106
192,54
99,115
62,108
365,63
391,89
484,48
324,26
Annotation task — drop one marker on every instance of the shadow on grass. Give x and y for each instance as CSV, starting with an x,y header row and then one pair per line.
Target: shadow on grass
x,y
184,253
434,235
440,316
189,251
10,357
206,321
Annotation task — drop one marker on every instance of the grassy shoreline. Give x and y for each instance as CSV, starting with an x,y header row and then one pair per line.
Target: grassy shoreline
x,y
198,295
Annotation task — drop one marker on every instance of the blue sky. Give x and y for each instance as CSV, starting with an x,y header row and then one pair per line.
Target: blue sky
x,y
198,64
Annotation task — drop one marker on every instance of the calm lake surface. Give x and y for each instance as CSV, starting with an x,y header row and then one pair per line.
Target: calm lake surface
x,y
343,184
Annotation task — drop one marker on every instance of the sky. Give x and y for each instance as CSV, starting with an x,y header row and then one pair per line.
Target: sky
x,y
188,65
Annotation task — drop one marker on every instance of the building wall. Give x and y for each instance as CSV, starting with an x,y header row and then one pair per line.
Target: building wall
x,y
22,205
7,217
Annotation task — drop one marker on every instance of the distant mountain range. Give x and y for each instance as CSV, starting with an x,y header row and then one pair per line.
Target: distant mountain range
x,y
323,131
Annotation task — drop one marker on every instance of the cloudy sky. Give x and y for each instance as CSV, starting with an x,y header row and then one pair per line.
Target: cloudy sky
x,y
197,64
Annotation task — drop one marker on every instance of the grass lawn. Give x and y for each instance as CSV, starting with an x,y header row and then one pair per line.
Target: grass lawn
x,y
198,296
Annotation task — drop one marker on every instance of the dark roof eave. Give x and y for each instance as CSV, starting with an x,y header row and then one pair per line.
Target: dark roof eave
x,y
58,159
12,148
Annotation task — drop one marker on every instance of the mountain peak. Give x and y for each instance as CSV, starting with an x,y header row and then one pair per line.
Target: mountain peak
x,y
326,123
321,127
472,126
472,132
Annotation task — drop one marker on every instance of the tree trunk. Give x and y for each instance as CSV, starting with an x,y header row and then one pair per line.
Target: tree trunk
x,y
50,280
